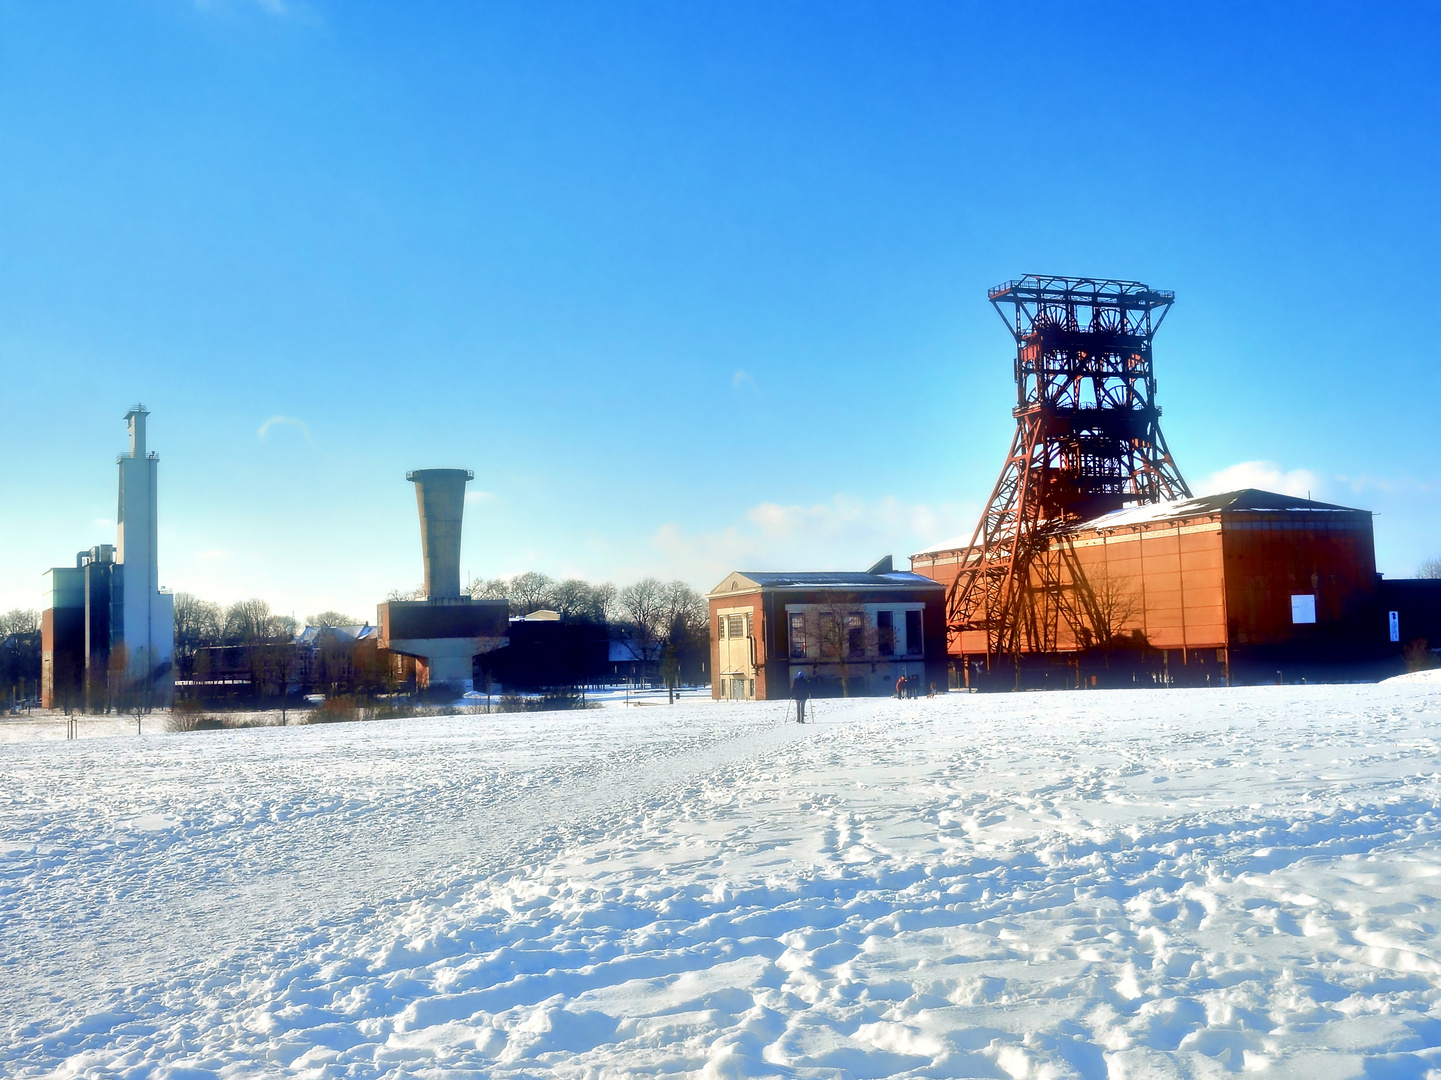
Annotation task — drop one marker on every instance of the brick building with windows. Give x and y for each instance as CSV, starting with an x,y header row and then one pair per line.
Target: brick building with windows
x,y
851,634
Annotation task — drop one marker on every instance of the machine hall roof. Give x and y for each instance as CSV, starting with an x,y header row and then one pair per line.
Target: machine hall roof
x,y
746,580
1243,501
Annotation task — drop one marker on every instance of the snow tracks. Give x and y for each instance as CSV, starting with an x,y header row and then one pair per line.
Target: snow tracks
x,y
1099,884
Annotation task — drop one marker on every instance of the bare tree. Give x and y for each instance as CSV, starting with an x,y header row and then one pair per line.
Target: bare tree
x,y
247,622
280,628
331,618
118,691
274,665
20,651
1108,603
1431,568
197,623
489,589
67,689
19,621
845,634
643,606
684,628
529,592
604,597
574,599
401,595
683,607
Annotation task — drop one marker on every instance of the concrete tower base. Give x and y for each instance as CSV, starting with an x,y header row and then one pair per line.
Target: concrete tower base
x,y
445,635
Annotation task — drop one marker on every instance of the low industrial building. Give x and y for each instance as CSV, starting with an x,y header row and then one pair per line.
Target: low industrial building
x,y
1245,586
546,652
108,628
851,634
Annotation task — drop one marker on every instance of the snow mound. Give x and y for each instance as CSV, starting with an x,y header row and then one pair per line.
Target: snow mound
x,y
1433,675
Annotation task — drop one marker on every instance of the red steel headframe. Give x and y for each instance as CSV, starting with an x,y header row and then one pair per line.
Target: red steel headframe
x,y
1088,440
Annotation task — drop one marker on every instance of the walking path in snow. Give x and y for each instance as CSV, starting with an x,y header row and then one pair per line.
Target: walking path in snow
x,y
1173,883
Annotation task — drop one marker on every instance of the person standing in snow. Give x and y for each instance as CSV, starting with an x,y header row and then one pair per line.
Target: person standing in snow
x,y
800,691
901,687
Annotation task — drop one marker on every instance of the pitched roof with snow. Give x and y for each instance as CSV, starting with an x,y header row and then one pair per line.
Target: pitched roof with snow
x,y
746,580
1245,501
351,632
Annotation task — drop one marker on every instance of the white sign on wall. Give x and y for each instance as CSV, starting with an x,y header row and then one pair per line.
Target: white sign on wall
x,y
1303,607
1395,625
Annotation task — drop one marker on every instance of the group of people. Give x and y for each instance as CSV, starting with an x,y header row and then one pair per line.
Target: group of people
x,y
908,686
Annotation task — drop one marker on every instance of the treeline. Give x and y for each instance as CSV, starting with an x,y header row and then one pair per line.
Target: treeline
x,y
651,613
202,623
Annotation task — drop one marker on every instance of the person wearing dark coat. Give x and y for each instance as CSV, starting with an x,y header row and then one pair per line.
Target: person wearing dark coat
x,y
800,690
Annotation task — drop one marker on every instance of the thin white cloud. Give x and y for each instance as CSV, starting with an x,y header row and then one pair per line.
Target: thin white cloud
x,y
1266,475
743,380
288,421
846,533
480,496
1403,486
278,8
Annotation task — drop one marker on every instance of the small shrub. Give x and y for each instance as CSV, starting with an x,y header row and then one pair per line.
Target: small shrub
x,y
390,711
1418,655
336,710
550,701
190,715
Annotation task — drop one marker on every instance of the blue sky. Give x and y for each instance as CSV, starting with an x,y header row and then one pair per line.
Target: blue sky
x,y
691,287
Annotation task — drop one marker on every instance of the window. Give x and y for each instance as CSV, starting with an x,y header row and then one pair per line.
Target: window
x,y
915,644
855,634
798,635
830,636
886,633
750,625
736,628
720,630
1303,607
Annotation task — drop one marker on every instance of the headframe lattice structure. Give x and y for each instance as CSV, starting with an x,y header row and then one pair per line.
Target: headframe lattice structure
x,y
1088,440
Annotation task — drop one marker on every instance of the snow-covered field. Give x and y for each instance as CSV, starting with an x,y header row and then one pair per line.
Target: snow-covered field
x,y
1096,884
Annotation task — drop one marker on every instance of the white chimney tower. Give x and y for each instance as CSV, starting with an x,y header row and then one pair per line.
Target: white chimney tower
x,y
142,617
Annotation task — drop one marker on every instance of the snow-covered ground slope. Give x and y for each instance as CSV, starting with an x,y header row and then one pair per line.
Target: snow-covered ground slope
x,y
1072,884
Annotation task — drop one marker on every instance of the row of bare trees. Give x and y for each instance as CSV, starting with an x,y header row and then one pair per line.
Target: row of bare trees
x,y
574,599
665,621
651,613
200,623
